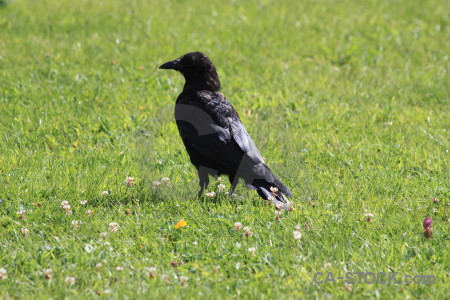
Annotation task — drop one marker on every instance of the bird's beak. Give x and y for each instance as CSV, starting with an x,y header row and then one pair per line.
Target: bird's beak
x,y
171,65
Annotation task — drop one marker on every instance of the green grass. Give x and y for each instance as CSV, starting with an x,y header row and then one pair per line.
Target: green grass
x,y
83,106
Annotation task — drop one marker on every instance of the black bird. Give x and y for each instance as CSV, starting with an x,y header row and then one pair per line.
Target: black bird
x,y
214,136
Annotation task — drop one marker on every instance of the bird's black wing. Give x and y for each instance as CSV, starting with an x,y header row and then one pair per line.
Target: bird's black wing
x,y
205,121
212,130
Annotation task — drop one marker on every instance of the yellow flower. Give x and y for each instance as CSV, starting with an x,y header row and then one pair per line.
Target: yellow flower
x,y
181,224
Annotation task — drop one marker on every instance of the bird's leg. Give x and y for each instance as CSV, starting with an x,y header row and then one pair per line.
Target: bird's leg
x,y
203,180
233,181
202,189
233,187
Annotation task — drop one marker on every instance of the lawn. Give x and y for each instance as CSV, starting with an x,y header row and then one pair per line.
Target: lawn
x,y
348,101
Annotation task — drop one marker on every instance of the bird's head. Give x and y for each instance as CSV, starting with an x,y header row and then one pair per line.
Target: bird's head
x,y
197,69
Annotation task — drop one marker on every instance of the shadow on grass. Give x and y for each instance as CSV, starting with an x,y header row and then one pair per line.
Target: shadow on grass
x,y
144,194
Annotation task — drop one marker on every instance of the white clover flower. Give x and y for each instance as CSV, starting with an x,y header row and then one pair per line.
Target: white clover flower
x,y
278,215
195,243
327,265
75,224
83,202
183,281
152,272
113,226
120,269
252,250
247,232
210,194
129,181
221,187
273,190
103,234
70,280
166,180
105,193
297,235
48,273
220,179
99,266
290,207
21,214
165,278
3,273
156,184
89,212
369,217
238,226
279,205
64,203
25,232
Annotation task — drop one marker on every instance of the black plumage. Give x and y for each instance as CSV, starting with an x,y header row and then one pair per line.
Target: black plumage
x,y
213,134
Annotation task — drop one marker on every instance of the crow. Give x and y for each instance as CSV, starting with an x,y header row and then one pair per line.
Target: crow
x,y
214,136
